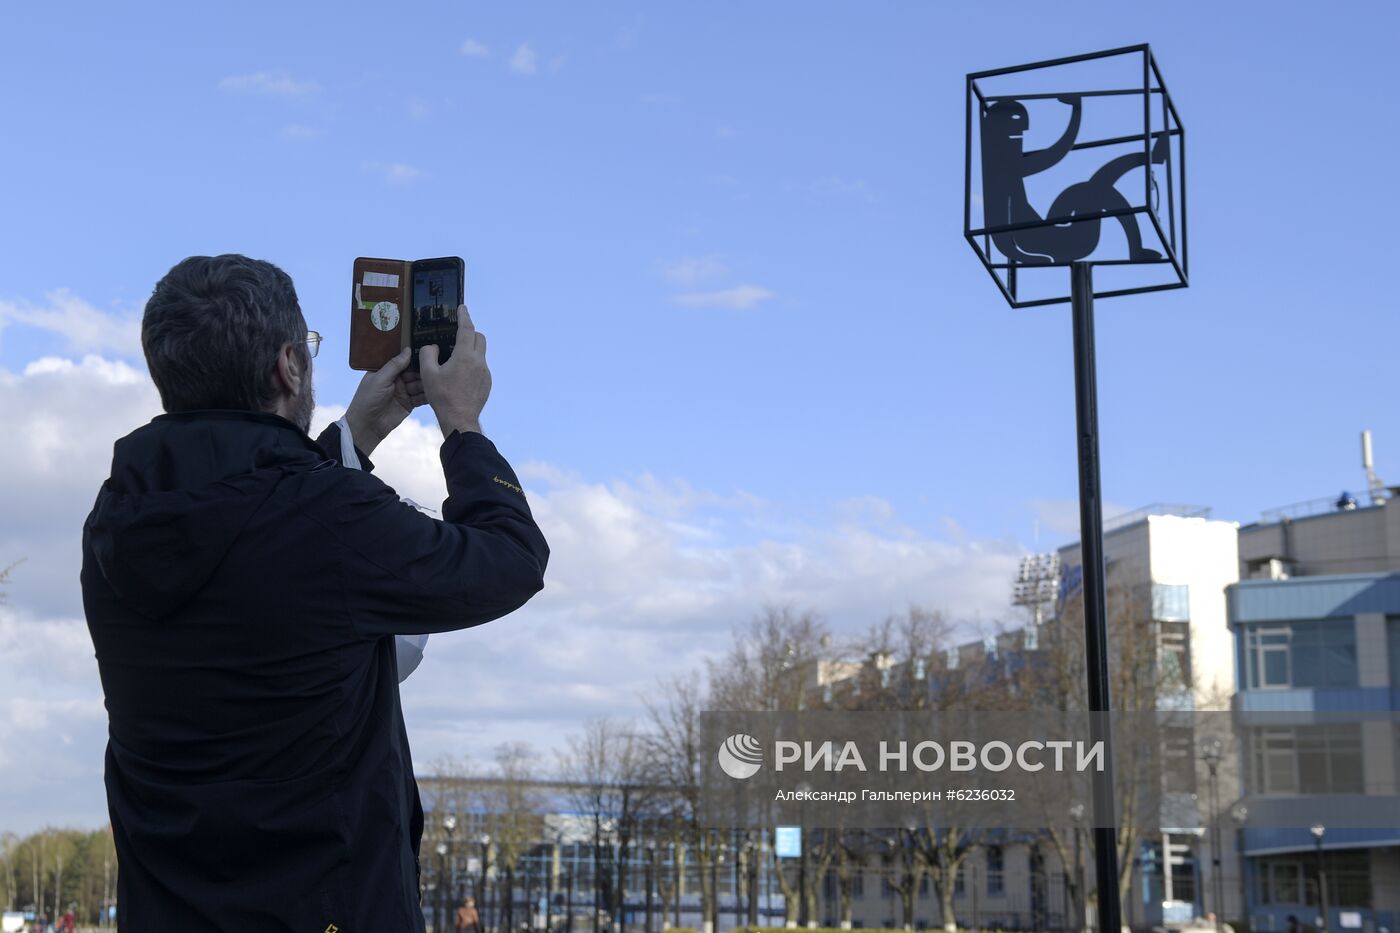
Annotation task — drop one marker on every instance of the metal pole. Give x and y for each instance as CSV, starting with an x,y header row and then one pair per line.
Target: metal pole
x,y
738,866
549,880
1095,602
651,881
753,880
1081,908
1322,887
438,912
714,888
804,914
1215,853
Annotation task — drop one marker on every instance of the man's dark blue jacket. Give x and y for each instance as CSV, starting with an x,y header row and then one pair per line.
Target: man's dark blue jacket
x,y
243,590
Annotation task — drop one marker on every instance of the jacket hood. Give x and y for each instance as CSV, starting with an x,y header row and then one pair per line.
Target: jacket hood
x,y
181,491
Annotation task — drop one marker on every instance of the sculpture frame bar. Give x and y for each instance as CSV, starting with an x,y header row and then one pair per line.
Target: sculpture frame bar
x,y
1167,220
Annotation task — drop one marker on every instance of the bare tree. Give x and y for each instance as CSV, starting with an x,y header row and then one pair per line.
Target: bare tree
x,y
515,819
1145,673
772,663
906,667
606,773
781,661
671,762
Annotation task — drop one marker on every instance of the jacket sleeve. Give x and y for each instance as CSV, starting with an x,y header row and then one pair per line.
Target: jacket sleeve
x,y
329,441
408,573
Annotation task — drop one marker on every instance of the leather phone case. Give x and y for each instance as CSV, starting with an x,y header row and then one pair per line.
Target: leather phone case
x,y
381,306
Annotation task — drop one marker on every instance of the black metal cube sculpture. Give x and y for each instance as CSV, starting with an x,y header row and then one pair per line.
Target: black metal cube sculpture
x,y
1079,159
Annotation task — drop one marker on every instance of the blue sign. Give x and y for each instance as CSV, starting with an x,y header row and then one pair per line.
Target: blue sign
x,y
787,841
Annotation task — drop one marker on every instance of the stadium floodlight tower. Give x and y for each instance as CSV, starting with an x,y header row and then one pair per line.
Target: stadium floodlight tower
x,y
1079,164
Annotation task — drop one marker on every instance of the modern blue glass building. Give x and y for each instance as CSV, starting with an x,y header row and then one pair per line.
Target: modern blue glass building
x,y
1316,625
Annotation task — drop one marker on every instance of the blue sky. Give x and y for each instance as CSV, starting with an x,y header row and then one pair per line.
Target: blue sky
x,y
741,350
808,151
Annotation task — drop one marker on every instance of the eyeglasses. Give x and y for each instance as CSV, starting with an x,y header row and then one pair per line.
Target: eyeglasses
x,y
313,343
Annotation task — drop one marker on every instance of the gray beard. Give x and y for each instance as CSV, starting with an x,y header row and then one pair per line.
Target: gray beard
x,y
305,406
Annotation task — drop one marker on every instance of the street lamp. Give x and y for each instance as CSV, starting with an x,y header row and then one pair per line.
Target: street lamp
x,y
651,879
440,913
569,901
449,825
1240,814
550,880
803,920
485,841
1318,831
1076,813
1211,755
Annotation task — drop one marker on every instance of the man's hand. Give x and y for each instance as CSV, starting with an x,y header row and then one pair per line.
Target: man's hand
x,y
383,400
458,389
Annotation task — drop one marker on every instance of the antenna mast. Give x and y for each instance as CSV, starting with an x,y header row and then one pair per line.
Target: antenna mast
x,y
1379,493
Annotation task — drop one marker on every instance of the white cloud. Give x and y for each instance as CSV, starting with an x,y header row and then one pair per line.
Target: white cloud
x,y
689,270
525,61
474,49
84,328
647,576
738,298
395,173
1062,515
51,708
271,83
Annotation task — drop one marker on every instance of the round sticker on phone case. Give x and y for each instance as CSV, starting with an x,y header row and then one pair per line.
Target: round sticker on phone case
x,y
385,315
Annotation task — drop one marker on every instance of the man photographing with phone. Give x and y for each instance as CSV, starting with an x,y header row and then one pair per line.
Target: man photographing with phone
x,y
243,588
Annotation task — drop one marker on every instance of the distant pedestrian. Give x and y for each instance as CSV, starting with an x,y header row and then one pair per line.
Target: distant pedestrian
x,y
467,916
1292,926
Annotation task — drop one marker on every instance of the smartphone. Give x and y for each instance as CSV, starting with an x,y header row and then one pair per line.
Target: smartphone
x,y
397,303
438,286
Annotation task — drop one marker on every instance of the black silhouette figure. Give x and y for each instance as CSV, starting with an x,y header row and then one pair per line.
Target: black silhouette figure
x,y
1004,171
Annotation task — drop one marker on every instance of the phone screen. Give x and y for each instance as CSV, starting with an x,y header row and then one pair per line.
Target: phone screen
x,y
437,291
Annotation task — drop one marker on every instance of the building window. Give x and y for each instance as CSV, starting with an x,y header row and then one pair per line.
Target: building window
x,y
858,885
1392,633
1178,759
959,884
1306,759
923,886
1300,654
1171,603
1291,879
996,882
1174,653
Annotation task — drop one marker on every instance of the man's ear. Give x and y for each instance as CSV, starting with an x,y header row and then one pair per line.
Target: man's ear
x,y
289,370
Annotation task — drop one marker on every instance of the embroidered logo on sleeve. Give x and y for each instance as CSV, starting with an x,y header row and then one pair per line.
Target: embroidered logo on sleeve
x,y
508,485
